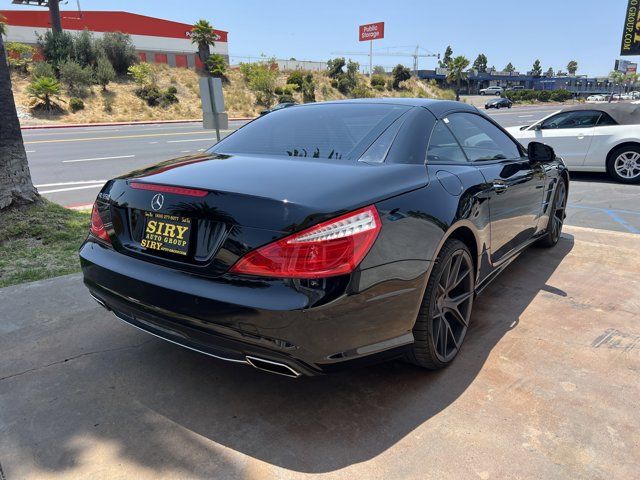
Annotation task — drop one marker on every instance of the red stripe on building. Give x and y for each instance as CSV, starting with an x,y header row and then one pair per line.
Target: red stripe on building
x,y
105,21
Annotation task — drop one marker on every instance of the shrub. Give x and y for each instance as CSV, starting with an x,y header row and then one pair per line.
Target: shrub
x,y
261,80
86,50
56,47
308,89
104,73
107,104
544,96
400,74
540,95
141,73
285,99
76,104
378,80
172,90
75,77
44,93
150,94
334,67
168,98
41,69
296,78
19,56
379,88
561,95
120,51
217,66
362,91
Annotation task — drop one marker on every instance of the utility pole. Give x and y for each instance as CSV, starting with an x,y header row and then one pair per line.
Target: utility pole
x,y
370,58
54,13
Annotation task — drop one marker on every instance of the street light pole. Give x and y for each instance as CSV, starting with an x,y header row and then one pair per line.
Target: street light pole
x,y
370,58
54,13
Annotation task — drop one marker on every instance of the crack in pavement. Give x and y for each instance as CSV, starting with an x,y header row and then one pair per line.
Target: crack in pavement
x,y
75,357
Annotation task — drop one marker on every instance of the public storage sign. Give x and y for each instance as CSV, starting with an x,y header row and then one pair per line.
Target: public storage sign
x,y
631,30
371,31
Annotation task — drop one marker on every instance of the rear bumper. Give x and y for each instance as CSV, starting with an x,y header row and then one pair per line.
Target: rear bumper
x,y
305,327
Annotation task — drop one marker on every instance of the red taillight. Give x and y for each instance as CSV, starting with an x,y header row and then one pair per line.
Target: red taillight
x,y
189,192
97,226
335,247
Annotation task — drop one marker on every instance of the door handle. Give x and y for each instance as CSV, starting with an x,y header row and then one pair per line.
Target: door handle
x,y
500,187
580,136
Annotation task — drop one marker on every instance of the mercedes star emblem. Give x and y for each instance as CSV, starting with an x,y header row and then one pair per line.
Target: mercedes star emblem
x,y
157,201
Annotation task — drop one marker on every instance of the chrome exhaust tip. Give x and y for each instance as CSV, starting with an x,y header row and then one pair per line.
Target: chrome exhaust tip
x,y
99,302
272,367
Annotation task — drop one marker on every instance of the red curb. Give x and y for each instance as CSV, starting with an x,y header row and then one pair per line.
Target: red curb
x,y
115,124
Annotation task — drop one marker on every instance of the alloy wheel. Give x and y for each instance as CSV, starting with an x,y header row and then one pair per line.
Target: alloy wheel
x,y
451,309
627,165
559,211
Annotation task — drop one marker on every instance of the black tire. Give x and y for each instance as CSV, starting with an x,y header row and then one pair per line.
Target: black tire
x,y
509,106
497,94
445,311
482,94
623,164
556,217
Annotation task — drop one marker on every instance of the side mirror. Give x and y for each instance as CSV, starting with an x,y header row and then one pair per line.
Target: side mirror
x,y
539,152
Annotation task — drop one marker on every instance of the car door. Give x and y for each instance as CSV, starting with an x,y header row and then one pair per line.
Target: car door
x,y
514,186
604,134
569,133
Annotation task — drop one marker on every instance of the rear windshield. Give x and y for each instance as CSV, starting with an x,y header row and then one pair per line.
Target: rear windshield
x,y
334,131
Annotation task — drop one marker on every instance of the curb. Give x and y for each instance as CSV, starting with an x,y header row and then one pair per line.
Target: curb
x,y
115,124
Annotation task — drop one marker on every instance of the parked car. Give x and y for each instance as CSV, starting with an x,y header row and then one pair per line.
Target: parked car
x,y
590,138
279,106
596,98
325,235
492,91
626,96
498,103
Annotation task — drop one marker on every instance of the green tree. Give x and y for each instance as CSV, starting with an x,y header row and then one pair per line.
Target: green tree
x,y
86,49
379,70
296,78
536,71
56,47
76,78
480,64
104,73
261,79
203,36
119,49
217,66
550,73
400,74
509,68
457,72
572,67
335,66
446,60
308,89
44,93
16,186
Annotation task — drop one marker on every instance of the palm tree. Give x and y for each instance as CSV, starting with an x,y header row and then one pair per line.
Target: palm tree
x,y
457,72
16,186
202,35
572,67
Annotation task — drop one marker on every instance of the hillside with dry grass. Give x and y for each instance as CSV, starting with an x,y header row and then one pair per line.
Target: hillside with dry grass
x,y
120,103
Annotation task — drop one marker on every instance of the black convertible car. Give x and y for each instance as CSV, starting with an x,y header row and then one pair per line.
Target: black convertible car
x,y
325,235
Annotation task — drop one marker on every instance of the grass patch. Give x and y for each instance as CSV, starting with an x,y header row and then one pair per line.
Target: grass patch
x,y
40,241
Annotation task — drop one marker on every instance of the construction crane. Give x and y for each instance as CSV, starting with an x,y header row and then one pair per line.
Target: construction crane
x,y
417,53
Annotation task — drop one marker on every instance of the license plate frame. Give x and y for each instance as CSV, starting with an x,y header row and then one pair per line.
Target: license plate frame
x,y
167,234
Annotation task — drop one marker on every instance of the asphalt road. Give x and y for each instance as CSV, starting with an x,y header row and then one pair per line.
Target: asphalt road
x,y
70,165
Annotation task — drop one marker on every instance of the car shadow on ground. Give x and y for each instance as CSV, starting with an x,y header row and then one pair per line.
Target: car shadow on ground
x,y
156,404
325,423
592,177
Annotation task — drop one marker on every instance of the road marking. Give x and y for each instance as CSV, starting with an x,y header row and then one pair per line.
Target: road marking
x,y
30,151
43,185
185,151
118,137
192,140
97,158
525,116
98,185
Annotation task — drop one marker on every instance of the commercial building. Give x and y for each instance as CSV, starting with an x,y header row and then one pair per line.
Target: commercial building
x,y
156,40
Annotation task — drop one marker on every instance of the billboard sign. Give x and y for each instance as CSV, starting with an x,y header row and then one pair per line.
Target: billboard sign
x,y
631,31
625,66
374,31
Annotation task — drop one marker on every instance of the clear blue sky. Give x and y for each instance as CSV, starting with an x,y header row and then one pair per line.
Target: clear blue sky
x,y
555,31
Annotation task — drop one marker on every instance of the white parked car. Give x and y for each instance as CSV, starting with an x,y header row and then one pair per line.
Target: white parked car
x,y
596,98
591,138
492,91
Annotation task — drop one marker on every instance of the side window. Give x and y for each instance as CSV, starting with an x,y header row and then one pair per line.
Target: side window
x,y
481,139
605,120
443,147
575,119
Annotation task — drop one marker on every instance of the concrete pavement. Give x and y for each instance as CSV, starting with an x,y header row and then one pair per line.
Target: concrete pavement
x,y
546,386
